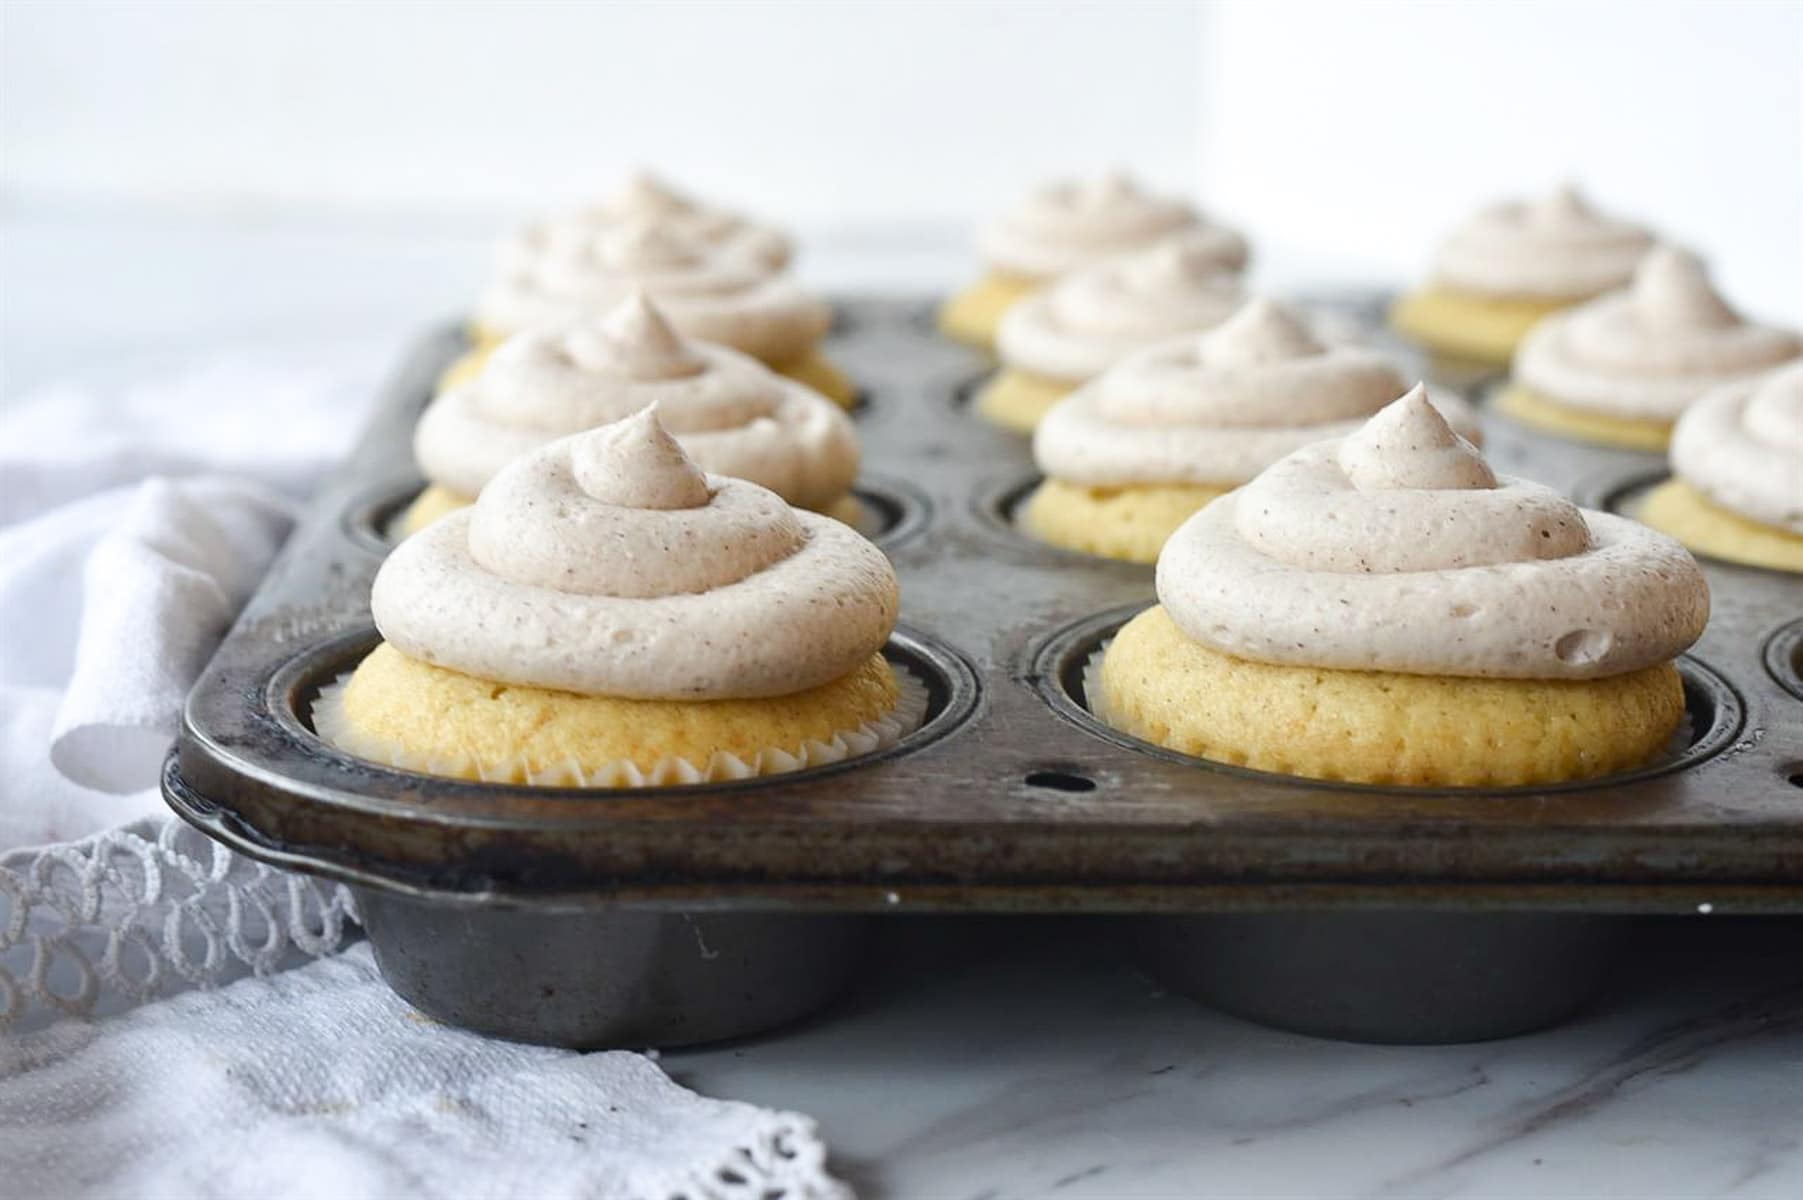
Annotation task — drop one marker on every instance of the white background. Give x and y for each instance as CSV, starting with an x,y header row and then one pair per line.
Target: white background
x,y
180,173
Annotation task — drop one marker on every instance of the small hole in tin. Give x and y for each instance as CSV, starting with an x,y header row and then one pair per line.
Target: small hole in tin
x,y
1060,781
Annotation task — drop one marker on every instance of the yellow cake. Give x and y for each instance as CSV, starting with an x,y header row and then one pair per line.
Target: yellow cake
x,y
1677,508
608,615
1383,609
1381,727
1468,325
1129,523
973,315
511,734
1629,433
1017,400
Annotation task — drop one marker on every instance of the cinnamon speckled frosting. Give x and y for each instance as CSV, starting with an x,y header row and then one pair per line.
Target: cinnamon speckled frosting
x,y
1651,349
723,292
608,564
1554,248
1093,318
730,413
1219,407
1742,447
642,197
1398,549
1075,223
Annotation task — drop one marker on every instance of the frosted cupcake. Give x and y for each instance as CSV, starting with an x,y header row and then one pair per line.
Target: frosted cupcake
x,y
1511,265
607,615
730,413
1383,609
643,199
1067,226
1060,338
1136,452
718,291
1737,457
1621,369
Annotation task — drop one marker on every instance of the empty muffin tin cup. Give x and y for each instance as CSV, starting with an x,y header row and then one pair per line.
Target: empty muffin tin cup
x,y
1387,976
608,977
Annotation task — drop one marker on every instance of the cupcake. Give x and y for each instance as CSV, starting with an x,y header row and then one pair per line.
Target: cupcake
x,y
1137,451
1620,369
1511,265
1064,227
643,198
1382,608
607,615
719,291
1737,457
1061,337
732,414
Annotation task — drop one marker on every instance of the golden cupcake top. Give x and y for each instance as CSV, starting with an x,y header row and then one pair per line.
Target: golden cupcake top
x,y
1397,548
1557,247
1218,407
722,292
732,414
643,198
1074,223
1650,349
1091,319
609,564
1741,446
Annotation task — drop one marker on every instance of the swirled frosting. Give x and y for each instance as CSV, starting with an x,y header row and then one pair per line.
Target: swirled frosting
x,y
1091,319
1555,248
1742,447
1075,223
1219,407
642,198
730,413
719,292
1398,549
606,563
1649,350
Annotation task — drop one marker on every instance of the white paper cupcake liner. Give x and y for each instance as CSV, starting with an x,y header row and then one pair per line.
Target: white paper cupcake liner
x,y
330,723
1674,749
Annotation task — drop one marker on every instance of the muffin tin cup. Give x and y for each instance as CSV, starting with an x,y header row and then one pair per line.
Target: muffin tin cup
x,y
692,913
611,976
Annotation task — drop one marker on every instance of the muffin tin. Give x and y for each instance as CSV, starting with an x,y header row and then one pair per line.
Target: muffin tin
x,y
688,914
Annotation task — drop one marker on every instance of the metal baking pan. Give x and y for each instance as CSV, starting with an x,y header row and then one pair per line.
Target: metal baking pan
x,y
665,916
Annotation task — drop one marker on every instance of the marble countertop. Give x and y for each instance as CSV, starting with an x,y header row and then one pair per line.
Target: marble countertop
x,y
1003,1059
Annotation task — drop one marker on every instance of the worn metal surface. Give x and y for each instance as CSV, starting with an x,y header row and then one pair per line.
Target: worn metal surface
x,y
1008,800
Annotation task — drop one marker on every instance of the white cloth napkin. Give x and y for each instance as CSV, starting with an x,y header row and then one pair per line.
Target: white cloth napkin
x,y
309,1078
319,1082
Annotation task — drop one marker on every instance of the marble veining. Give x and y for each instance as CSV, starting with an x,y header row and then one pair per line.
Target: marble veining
x,y
1004,1061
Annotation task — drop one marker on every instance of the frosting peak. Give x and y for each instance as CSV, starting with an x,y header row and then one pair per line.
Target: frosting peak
x,y
644,243
1259,334
634,341
1070,224
1671,290
606,563
635,463
1397,549
1408,444
642,193
1563,206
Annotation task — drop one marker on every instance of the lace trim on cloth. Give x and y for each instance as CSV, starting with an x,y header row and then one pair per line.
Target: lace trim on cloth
x,y
91,927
